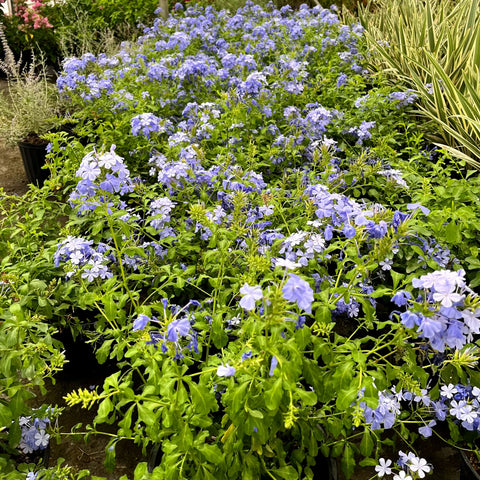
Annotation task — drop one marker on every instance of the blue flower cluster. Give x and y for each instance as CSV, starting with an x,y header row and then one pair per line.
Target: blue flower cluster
x,y
79,255
101,176
440,313
459,402
34,436
148,123
174,332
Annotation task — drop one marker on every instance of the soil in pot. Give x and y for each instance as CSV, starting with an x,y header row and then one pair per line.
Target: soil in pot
x,y
470,466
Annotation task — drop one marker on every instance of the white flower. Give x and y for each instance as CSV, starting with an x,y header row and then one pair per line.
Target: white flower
x,y
42,439
467,414
456,408
24,421
315,243
419,465
288,264
383,467
225,371
108,160
315,223
448,391
296,238
447,299
401,475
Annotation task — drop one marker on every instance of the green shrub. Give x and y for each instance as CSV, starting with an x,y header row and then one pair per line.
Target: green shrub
x,y
84,26
434,48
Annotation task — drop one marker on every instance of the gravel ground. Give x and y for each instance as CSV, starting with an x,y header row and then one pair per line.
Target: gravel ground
x,y
12,175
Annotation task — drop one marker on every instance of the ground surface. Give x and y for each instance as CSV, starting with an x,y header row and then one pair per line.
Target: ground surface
x,y
12,175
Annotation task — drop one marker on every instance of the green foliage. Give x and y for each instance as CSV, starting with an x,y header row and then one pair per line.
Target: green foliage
x,y
27,42
434,48
31,104
158,266
452,193
82,26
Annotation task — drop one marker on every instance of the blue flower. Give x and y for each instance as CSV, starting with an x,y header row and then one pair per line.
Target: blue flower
x,y
431,328
401,298
417,206
410,319
250,296
349,231
342,80
225,371
426,431
140,323
273,365
145,124
247,355
178,328
299,291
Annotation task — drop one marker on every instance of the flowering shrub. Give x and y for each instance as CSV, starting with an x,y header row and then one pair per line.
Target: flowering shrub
x,y
29,358
31,14
243,236
251,289
29,31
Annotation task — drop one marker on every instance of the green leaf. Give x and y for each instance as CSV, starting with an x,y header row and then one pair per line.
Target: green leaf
x,y
334,426
103,351
343,375
273,396
238,398
5,416
254,413
307,398
16,309
211,453
141,470
323,314
368,462
199,398
348,461
303,336
110,307
453,233
145,415
104,409
346,396
287,473
219,337
366,445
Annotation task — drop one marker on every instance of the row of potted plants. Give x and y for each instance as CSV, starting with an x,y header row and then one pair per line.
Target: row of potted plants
x,y
240,231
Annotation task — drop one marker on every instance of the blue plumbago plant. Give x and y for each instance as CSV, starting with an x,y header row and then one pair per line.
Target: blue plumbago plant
x,y
242,234
29,356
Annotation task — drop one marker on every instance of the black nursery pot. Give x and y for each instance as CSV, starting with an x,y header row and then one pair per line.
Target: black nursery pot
x,y
154,457
468,470
33,157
